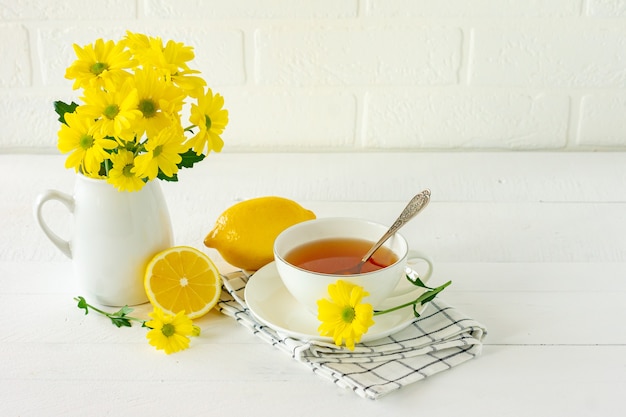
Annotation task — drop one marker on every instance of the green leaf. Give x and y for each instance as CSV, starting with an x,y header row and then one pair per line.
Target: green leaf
x,y
119,317
430,295
416,281
164,177
61,108
415,312
121,321
125,310
82,303
190,158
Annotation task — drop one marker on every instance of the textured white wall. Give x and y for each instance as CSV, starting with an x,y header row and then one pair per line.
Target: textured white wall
x,y
350,74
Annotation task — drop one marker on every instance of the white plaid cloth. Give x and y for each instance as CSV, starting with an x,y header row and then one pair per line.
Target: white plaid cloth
x,y
442,337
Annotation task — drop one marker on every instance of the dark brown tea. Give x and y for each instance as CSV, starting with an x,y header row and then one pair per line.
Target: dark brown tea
x,y
331,255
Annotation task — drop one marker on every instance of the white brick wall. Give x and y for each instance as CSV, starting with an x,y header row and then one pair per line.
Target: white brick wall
x,y
350,74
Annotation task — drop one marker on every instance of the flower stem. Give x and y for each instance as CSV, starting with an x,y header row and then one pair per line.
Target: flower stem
x,y
119,318
427,296
107,167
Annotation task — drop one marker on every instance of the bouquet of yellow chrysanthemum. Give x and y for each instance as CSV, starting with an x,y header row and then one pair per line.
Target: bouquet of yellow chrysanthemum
x,y
129,129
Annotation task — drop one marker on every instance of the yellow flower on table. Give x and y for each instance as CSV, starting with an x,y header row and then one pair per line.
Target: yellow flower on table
x,y
167,332
170,333
345,318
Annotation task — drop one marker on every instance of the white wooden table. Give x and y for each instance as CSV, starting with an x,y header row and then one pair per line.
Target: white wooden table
x,y
535,244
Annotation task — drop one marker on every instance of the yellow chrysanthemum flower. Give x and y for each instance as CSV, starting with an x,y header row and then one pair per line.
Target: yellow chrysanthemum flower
x,y
121,175
174,59
170,61
134,93
137,43
193,85
162,152
87,145
211,119
344,317
114,110
159,103
102,64
170,333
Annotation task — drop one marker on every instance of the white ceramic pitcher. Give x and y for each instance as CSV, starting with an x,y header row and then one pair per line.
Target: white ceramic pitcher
x,y
115,234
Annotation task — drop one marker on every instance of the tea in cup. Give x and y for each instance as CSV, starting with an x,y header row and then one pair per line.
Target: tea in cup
x,y
313,254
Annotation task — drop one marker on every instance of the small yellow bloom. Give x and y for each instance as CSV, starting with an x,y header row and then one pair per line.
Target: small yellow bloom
x,y
121,174
137,43
114,110
169,60
211,118
102,64
344,317
170,333
163,153
86,145
159,103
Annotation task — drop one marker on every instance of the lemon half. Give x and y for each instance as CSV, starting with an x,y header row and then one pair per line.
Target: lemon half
x,y
183,278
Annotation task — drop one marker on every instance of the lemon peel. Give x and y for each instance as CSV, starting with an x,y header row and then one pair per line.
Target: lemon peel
x,y
244,234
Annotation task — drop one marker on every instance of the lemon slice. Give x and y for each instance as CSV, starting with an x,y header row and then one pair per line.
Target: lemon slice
x,y
183,278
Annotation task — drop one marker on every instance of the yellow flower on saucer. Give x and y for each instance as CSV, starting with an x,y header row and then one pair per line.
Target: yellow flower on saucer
x,y
344,317
170,333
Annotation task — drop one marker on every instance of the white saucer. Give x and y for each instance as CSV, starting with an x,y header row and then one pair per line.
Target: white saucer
x,y
274,306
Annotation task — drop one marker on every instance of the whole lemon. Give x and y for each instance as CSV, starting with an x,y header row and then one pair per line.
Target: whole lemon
x,y
244,234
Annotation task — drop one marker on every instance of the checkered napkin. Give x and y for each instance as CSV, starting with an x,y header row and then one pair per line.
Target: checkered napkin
x,y
441,338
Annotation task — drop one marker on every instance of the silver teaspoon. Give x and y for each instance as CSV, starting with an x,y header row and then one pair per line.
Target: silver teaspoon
x,y
414,206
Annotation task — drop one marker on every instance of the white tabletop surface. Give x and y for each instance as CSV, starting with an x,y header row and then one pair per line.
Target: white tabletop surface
x,y
535,244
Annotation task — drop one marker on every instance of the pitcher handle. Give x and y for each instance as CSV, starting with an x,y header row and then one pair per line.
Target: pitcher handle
x,y
68,201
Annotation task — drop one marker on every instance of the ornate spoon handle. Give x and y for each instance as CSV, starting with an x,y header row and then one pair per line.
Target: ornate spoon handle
x,y
414,206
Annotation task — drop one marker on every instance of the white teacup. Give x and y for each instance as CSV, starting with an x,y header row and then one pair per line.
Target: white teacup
x,y
308,287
